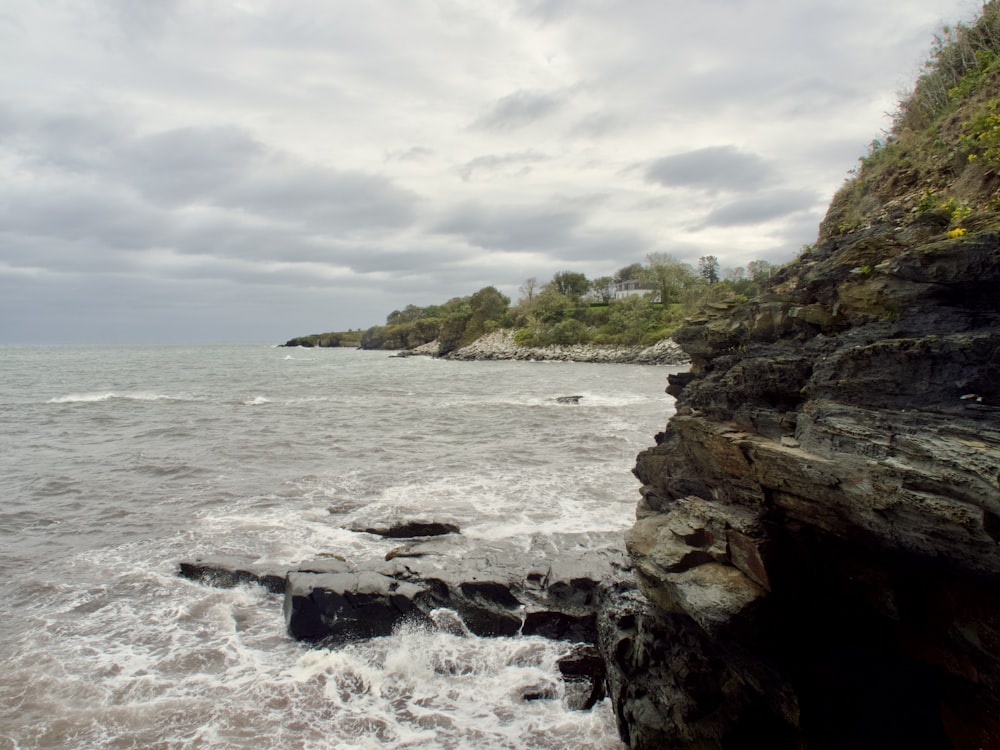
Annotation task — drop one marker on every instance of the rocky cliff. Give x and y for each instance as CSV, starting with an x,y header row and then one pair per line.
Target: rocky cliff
x,y
818,539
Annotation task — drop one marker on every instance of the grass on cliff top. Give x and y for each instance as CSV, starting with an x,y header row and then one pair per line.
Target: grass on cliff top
x,y
942,155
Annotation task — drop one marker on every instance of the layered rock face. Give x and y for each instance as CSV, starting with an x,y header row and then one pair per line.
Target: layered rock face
x,y
819,532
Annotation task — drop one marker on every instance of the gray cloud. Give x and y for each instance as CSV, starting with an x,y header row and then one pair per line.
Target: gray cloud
x,y
546,10
266,169
514,228
501,165
187,165
518,110
713,169
557,231
758,209
329,200
414,153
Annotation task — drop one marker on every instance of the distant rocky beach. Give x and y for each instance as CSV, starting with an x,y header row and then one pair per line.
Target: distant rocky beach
x,y
501,345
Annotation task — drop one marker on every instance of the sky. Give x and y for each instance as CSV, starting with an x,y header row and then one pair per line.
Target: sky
x,y
253,170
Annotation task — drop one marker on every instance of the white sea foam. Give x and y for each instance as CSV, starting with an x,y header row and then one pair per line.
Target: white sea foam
x,y
84,398
105,646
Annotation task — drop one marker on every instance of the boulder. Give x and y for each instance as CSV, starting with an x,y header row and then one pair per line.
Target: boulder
x,y
500,588
337,607
584,676
228,572
408,529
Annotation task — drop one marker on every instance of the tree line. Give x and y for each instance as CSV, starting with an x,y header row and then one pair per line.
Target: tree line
x,y
639,305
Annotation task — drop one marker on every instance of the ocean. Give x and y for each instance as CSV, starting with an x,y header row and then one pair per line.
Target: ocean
x,y
116,463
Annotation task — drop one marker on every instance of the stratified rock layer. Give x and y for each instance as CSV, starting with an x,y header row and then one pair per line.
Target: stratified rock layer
x,y
820,522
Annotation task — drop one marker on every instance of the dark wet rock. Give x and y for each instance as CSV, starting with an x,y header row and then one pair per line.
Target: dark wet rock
x,y
584,675
409,529
568,399
549,586
817,538
230,572
348,606
541,691
551,623
496,588
673,685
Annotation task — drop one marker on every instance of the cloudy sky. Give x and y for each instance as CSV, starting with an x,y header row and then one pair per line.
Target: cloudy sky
x,y
251,170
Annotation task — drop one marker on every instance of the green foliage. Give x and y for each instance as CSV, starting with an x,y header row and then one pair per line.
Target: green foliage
x,y
601,288
944,144
957,210
960,58
331,339
760,270
973,77
487,308
570,283
670,276
550,305
629,272
928,201
708,268
565,332
981,135
558,313
524,337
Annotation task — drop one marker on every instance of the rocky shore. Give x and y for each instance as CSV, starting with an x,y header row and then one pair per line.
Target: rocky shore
x,y
553,586
501,345
818,538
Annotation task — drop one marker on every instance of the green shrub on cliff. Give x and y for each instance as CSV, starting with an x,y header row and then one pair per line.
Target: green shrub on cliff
x,y
570,309
942,155
459,321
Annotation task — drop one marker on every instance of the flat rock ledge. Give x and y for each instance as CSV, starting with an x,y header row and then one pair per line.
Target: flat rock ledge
x,y
556,589
501,345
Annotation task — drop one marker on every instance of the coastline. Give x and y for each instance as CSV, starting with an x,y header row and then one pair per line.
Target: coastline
x,y
500,345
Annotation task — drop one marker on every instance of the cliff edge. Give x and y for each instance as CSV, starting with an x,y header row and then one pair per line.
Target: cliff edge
x,y
818,539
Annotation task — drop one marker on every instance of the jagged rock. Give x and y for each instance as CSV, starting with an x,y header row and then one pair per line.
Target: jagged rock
x,y
823,511
229,572
348,606
681,566
584,675
673,685
498,588
408,529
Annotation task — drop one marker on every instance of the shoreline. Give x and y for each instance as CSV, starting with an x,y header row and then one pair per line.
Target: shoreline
x,y
500,345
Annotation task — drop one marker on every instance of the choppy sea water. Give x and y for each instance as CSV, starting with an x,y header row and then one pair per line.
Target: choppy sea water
x,y
116,463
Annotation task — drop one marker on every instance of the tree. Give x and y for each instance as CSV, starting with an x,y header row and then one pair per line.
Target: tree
x,y
629,272
528,289
603,289
735,275
407,315
669,276
551,305
571,283
488,306
708,268
759,270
